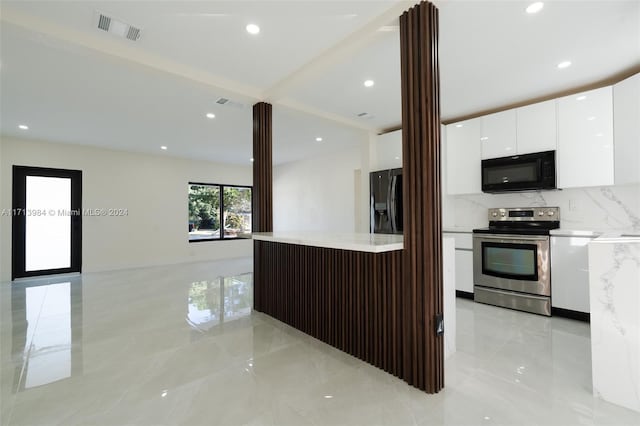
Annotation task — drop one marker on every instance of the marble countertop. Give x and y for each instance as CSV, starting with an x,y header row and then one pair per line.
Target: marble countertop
x,y
614,238
459,229
561,232
373,243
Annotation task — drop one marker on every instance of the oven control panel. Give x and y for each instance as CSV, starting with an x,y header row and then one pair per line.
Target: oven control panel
x,y
524,214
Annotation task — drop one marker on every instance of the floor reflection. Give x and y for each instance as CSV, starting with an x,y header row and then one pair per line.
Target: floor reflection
x,y
224,299
46,332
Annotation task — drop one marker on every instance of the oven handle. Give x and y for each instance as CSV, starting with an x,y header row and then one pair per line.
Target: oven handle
x,y
511,237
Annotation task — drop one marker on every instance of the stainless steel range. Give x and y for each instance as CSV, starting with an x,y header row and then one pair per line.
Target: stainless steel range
x,y
511,260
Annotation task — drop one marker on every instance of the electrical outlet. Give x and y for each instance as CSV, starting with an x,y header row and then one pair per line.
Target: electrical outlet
x,y
572,205
439,325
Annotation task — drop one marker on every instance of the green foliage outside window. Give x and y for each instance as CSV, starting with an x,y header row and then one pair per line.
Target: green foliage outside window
x,y
206,215
204,206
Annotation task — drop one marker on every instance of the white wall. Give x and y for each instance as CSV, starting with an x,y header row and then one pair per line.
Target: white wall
x,y
152,187
318,194
2,219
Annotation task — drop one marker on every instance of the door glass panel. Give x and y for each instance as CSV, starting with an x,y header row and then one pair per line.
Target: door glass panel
x,y
48,223
524,172
510,261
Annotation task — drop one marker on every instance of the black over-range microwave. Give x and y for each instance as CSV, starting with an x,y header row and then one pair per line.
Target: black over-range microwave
x,y
520,172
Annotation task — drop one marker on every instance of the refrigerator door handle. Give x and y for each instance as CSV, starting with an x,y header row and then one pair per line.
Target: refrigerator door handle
x,y
392,202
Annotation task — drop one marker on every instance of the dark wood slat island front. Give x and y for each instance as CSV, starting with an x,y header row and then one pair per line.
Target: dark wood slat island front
x,y
343,289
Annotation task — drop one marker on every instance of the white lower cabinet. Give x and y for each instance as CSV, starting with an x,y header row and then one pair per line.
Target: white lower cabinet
x,y
464,260
464,270
570,273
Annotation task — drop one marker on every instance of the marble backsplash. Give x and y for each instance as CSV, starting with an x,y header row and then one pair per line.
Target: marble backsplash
x,y
606,208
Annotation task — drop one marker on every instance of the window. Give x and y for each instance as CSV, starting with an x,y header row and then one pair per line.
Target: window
x,y
219,212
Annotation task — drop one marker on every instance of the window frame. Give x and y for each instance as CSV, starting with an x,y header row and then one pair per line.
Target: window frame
x,y
221,204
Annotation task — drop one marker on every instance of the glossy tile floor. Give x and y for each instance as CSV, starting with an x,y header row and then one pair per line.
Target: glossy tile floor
x,y
179,345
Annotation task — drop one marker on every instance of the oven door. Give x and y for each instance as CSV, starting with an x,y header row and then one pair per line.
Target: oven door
x,y
512,262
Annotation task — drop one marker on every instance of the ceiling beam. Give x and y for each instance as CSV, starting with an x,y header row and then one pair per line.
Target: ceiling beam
x,y
276,94
335,54
125,51
299,106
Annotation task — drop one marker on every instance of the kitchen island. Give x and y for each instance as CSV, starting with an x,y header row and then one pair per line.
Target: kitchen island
x,y
344,289
614,287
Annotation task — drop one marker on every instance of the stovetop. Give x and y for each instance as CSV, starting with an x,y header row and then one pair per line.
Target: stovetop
x,y
522,221
515,230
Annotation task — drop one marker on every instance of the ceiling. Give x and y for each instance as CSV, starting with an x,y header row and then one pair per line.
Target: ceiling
x,y
71,82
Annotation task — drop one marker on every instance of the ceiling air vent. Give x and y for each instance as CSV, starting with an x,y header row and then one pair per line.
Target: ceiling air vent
x,y
116,27
133,33
229,103
104,22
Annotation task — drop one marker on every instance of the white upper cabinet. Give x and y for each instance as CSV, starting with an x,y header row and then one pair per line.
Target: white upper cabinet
x,y
585,139
537,127
498,134
524,130
388,151
463,157
626,130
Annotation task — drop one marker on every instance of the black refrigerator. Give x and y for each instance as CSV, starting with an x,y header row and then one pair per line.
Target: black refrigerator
x,y
385,187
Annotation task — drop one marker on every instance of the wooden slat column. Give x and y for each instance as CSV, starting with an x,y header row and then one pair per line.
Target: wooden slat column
x,y
262,169
422,351
262,200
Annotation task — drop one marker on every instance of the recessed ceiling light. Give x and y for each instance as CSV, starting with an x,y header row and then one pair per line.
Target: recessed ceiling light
x,y
581,98
164,148
535,7
397,158
251,159
368,83
591,118
484,138
23,127
211,115
458,125
564,64
318,139
253,29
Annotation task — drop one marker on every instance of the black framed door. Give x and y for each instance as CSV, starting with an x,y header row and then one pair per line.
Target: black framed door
x,y
47,221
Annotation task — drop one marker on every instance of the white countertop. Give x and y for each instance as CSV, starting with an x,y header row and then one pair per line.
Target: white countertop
x,y
373,243
561,232
459,229
616,239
